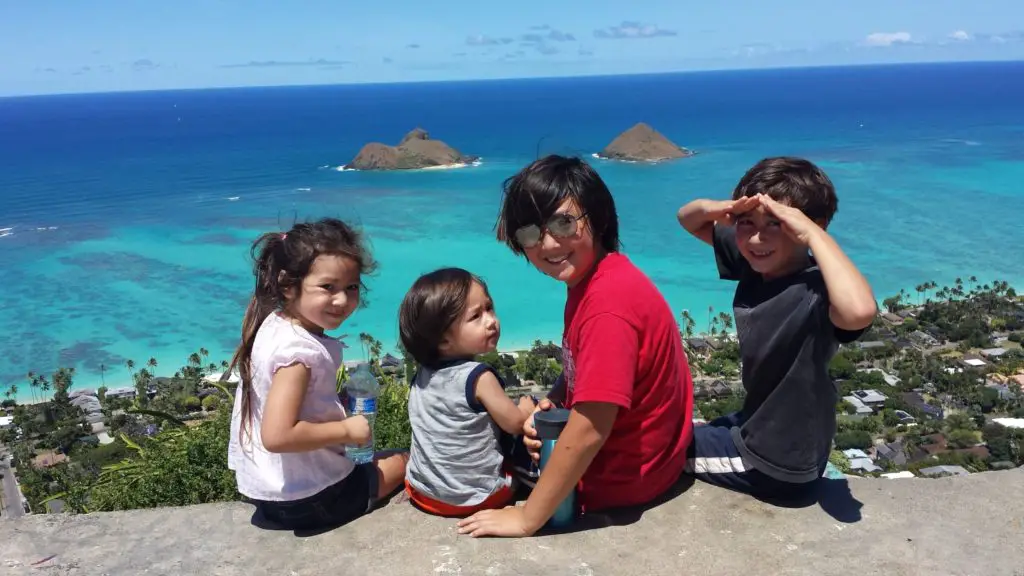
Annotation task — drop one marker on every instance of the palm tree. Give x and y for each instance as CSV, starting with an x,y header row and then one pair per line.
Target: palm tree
x,y
688,324
131,368
726,320
151,363
711,310
33,383
103,369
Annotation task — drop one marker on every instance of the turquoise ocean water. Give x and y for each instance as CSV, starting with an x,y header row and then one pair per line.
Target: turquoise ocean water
x,y
125,219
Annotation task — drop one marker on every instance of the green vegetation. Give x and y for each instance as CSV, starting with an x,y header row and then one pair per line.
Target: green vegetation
x,y
170,441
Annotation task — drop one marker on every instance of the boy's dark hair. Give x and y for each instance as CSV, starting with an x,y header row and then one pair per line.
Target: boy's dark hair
x,y
281,261
435,301
792,181
533,194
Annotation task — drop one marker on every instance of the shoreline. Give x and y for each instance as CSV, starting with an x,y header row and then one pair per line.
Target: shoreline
x,y
93,382
352,353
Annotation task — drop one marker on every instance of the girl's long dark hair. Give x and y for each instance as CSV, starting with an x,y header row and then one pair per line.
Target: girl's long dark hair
x,y
280,262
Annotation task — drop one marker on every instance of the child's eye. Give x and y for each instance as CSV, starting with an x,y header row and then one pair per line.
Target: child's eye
x,y
352,288
743,222
328,287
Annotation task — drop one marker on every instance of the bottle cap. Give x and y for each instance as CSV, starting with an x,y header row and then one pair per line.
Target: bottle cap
x,y
549,423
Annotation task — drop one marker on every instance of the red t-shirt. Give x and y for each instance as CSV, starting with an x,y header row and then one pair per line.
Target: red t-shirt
x,y
622,346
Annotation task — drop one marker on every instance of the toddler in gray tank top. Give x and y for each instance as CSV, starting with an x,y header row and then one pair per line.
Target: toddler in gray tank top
x,y
457,406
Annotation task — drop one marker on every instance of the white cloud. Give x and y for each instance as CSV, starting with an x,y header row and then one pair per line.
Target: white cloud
x,y
887,38
960,35
631,29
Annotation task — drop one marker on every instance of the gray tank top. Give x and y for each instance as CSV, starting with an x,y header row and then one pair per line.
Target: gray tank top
x,y
456,452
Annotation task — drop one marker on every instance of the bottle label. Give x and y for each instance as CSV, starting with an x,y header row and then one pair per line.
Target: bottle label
x,y
358,405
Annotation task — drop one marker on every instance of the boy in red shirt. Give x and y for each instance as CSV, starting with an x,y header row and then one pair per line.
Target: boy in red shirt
x,y
626,378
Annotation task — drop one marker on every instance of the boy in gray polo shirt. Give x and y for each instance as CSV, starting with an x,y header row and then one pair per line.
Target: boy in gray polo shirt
x,y
797,298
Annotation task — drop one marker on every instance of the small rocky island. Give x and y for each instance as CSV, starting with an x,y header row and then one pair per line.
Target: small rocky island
x,y
641,143
415,151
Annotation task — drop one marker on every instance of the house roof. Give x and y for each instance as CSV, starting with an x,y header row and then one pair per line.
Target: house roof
x,y
853,453
945,469
976,362
864,464
993,352
861,407
870,396
897,475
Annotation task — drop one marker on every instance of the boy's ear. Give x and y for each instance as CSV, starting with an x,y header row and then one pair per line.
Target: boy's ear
x,y
445,346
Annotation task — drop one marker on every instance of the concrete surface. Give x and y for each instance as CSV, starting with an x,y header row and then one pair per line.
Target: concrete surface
x,y
952,526
12,505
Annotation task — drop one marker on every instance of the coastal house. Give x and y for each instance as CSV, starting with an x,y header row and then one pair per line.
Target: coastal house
x,y
922,340
854,453
892,452
889,379
125,392
390,364
871,398
6,422
898,475
863,465
946,470
860,409
872,345
905,417
892,319
972,361
916,401
993,354
712,389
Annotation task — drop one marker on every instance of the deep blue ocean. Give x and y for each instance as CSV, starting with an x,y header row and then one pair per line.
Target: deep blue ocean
x,y
125,219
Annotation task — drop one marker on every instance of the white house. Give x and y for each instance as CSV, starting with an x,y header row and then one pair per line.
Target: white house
x,y
872,398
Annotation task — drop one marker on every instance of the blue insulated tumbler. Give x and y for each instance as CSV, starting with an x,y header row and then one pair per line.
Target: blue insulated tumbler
x,y
549,425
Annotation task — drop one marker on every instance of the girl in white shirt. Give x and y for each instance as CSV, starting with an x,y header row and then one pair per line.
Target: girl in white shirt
x,y
288,427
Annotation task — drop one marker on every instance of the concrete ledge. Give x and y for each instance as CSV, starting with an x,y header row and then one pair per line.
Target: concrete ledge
x,y
972,525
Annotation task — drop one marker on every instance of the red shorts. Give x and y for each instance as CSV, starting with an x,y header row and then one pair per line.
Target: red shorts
x,y
499,499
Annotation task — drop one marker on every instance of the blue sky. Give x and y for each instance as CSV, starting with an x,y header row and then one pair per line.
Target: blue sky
x,y
112,45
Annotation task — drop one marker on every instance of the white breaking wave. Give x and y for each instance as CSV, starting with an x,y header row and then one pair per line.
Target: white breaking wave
x,y
303,189
233,198
473,164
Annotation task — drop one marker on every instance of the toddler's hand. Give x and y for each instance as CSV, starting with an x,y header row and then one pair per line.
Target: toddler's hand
x,y
530,440
357,428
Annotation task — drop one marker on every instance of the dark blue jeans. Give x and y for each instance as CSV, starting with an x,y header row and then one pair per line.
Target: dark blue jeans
x,y
714,458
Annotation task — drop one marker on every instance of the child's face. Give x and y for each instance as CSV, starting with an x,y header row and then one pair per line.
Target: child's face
x,y
477,330
328,294
766,246
567,259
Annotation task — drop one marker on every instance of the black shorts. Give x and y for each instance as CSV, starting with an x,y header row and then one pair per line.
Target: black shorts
x,y
333,506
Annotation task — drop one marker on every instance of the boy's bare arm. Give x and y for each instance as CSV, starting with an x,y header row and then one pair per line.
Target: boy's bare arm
x,y
698,217
852,304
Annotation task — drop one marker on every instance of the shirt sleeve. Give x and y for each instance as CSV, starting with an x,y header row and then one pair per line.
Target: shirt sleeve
x,y
606,361
296,351
731,264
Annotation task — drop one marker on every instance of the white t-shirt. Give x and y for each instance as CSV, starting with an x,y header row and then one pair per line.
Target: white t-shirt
x,y
264,475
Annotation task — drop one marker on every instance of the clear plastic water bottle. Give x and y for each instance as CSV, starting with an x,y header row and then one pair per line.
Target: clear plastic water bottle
x,y
362,390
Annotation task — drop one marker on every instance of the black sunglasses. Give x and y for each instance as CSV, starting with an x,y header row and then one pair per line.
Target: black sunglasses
x,y
559,225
